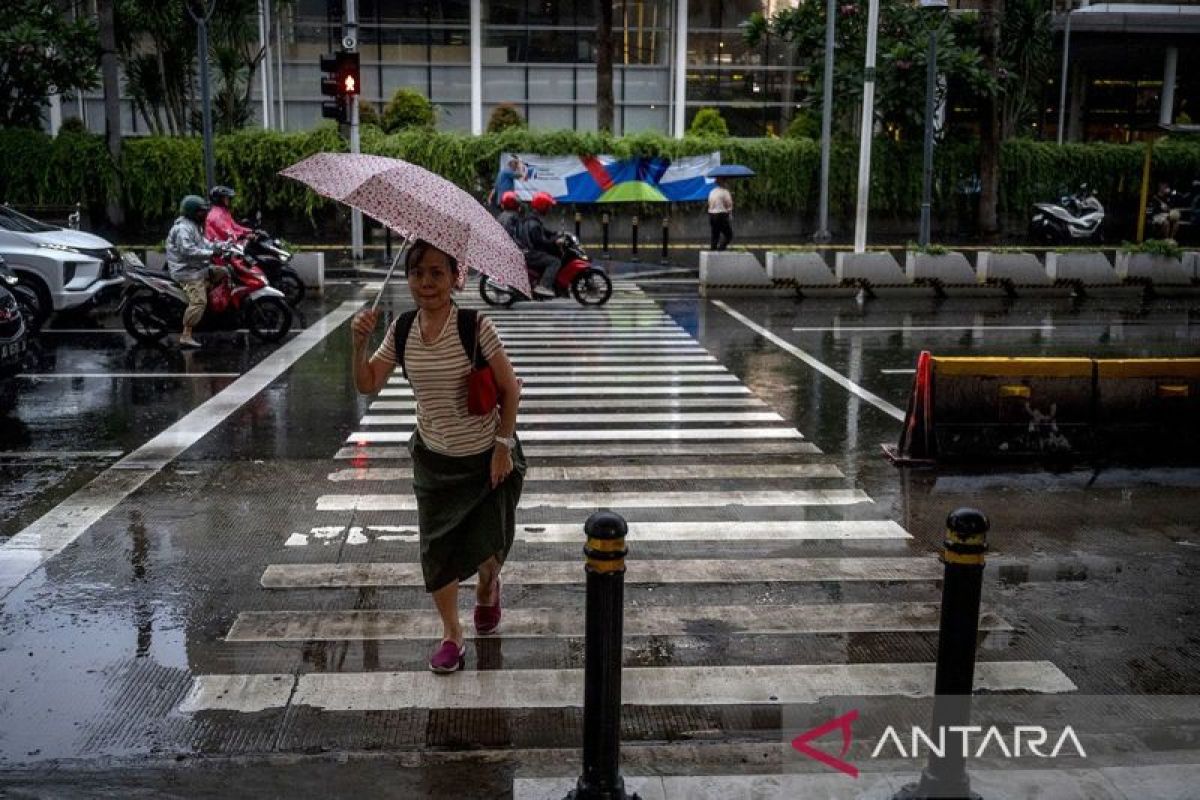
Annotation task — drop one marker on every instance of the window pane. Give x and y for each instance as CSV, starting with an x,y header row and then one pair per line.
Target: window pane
x,y
404,77
724,48
454,116
504,12
451,83
552,83
551,117
504,46
722,13
502,85
646,85
644,118
551,46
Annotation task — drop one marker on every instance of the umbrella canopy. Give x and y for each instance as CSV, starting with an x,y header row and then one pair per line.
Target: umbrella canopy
x,y
633,192
416,203
731,171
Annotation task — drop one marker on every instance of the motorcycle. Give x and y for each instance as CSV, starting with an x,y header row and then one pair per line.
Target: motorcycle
x,y
152,306
578,277
14,336
28,302
275,260
1075,219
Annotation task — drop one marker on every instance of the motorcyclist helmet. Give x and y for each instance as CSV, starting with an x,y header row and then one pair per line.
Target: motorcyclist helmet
x,y
509,202
193,206
542,202
221,195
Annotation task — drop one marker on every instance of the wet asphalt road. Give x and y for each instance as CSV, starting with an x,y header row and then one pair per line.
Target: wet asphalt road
x,y
1093,569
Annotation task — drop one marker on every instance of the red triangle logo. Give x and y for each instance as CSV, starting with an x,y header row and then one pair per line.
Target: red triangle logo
x,y
843,723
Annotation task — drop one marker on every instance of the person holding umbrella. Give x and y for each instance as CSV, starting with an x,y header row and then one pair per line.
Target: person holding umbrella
x,y
720,215
468,470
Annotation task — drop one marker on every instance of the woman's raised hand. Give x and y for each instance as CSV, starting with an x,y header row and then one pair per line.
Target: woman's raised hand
x,y
363,325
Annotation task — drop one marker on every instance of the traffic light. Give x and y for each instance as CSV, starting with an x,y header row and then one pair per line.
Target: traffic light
x,y
347,74
331,85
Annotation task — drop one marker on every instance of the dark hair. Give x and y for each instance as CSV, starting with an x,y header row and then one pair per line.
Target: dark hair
x,y
418,249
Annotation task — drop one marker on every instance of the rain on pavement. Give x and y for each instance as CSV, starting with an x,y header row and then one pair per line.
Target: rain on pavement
x,y
216,622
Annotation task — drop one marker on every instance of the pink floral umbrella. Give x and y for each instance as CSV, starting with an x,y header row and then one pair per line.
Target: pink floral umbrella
x,y
416,203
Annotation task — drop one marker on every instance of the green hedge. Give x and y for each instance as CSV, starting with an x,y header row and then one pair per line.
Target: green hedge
x,y
40,170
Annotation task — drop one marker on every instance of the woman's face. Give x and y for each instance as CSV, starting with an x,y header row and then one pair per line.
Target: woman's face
x,y
431,279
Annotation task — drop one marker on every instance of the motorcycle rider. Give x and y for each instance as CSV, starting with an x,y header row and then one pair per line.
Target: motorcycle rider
x,y
188,259
510,218
220,226
1164,218
543,256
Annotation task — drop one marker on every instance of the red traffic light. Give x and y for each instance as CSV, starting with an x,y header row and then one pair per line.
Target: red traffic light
x,y
347,72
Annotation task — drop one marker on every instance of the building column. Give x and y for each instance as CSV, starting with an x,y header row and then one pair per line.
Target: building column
x,y
476,67
264,41
1166,108
681,37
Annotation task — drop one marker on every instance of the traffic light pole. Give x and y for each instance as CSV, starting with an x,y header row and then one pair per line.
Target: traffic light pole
x,y
350,44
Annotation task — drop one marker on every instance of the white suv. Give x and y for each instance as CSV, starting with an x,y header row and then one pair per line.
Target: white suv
x,y
67,268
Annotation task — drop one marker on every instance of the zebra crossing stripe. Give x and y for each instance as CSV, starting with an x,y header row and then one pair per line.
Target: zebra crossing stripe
x,y
615,380
675,403
599,337
609,418
569,368
560,358
625,472
536,623
583,500
720,531
634,349
621,434
778,448
563,688
734,388
350,575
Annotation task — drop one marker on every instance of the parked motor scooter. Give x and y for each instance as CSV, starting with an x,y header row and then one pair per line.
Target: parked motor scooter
x,y
152,306
28,302
275,260
1076,219
578,277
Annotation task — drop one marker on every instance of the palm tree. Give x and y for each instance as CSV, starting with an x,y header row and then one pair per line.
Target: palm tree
x,y
604,66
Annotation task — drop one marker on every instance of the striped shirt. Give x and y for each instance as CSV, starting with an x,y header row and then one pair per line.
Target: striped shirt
x,y
438,372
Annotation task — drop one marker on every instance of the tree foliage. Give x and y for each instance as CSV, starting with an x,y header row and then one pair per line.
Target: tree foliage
x,y
708,122
408,108
503,117
42,52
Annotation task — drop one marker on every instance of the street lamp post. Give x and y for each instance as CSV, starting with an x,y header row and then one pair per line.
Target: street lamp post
x,y
867,130
822,236
205,89
935,6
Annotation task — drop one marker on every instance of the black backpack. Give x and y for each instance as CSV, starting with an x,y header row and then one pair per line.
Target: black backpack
x,y
467,325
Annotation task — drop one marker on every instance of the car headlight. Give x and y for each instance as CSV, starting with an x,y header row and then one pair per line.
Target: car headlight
x,y
62,248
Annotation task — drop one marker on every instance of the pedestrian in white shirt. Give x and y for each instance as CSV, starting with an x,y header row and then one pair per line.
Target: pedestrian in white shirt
x,y
720,213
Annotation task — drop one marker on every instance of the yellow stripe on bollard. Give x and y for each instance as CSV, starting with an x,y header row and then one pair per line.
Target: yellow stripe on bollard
x,y
606,545
595,565
1148,368
1013,367
1173,390
1017,390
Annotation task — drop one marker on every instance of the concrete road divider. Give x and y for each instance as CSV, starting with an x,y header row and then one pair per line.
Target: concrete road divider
x,y
992,408
1018,274
1166,275
1088,272
876,274
310,267
731,273
948,273
808,273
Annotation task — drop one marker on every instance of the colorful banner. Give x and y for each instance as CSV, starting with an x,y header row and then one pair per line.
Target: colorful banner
x,y
605,179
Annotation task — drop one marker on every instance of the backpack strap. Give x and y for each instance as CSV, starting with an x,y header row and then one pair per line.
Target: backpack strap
x,y
403,328
468,334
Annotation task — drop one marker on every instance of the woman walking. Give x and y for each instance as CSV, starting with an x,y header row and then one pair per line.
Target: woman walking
x,y
468,469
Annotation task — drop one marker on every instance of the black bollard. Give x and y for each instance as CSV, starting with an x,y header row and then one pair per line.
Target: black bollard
x,y
634,257
578,223
605,551
954,683
666,256
604,235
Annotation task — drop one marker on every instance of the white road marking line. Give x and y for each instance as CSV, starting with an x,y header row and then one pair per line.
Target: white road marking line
x,y
907,371
566,331
615,380
587,405
565,359
828,372
625,472
682,349
538,623
40,376
47,536
567,367
608,417
629,434
563,688
58,455
902,328
581,500
613,388
364,452
351,575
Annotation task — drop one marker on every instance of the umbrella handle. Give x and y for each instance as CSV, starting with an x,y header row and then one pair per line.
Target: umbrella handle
x,y
387,278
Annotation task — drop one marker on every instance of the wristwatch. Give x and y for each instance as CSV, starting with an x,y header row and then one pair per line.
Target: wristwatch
x,y
511,444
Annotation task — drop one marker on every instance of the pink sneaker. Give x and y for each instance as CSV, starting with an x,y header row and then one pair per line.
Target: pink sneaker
x,y
449,657
487,618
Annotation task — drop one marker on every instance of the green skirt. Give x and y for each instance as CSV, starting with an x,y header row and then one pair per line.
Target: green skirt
x,y
463,520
